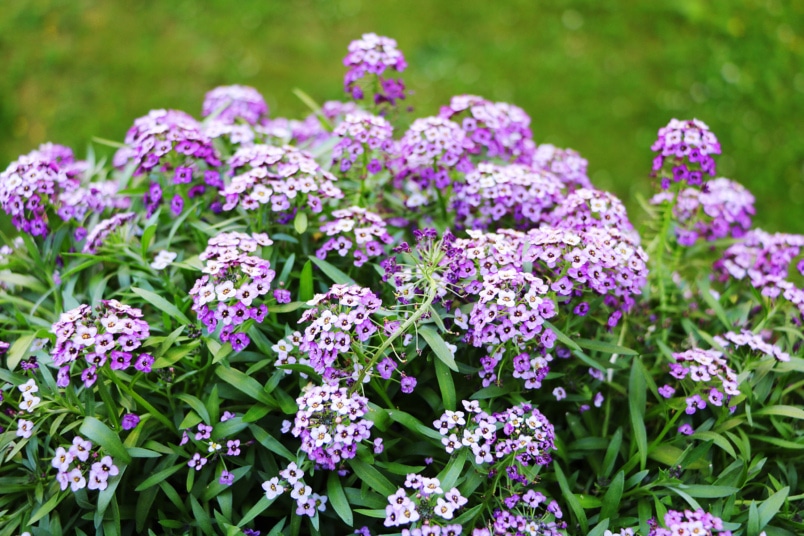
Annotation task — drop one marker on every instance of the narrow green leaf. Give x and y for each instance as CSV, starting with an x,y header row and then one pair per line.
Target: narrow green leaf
x,y
605,347
161,304
570,498
201,516
438,346
261,506
702,491
412,423
562,337
300,222
771,506
753,520
337,498
600,528
449,476
245,384
372,477
271,443
196,404
145,241
306,288
637,398
18,350
336,275
101,434
611,500
612,450
446,385
791,412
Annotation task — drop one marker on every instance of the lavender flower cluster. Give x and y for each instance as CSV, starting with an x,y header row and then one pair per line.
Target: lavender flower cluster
x,y
754,341
428,507
525,437
492,192
698,522
357,230
429,151
502,130
586,208
338,319
170,142
307,502
362,136
98,235
233,279
75,471
111,333
287,178
712,374
330,423
721,209
49,178
685,150
765,260
374,55
566,164
234,103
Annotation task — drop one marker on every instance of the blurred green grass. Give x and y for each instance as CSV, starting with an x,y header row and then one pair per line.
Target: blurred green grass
x,y
596,75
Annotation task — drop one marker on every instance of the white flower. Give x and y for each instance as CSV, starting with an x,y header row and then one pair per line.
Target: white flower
x,y
272,488
24,428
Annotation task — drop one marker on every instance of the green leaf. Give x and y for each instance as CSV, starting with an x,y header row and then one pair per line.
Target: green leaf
x,y
46,508
161,304
449,476
102,435
300,222
271,443
412,423
637,395
771,506
562,337
438,346
306,288
196,404
611,500
570,498
18,350
446,385
702,491
201,516
791,412
372,477
605,347
337,498
600,528
336,275
145,241
245,384
492,391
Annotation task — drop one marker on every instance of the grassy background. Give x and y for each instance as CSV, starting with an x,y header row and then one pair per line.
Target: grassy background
x,y
596,75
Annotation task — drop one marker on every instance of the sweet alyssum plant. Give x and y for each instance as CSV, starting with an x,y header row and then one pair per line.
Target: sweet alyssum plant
x,y
249,324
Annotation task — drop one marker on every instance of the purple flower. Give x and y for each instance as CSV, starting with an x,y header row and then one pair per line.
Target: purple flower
x,y
408,384
667,391
129,421
226,478
282,295
177,204
686,429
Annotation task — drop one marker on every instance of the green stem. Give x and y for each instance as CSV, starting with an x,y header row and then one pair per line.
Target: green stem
x,y
106,396
412,319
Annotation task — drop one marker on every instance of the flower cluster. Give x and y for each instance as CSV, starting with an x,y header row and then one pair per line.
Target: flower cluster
x,y
519,436
754,341
174,144
338,319
429,506
711,371
721,209
698,522
586,208
111,333
502,130
233,279
75,471
765,259
29,400
527,515
285,177
362,136
374,55
566,164
354,229
330,423
235,102
307,502
492,192
99,233
430,149
49,178
684,152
